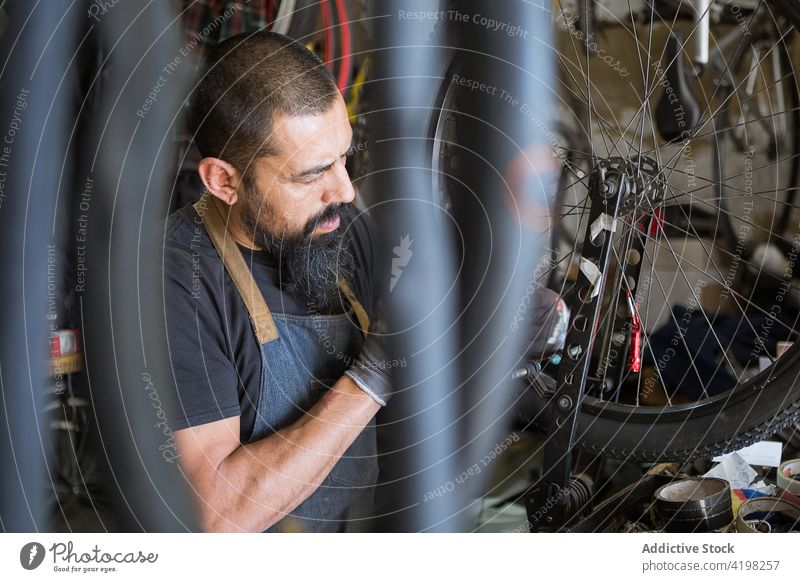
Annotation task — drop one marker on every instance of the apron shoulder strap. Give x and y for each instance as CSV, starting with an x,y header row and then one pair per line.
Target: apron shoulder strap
x,y
358,309
231,256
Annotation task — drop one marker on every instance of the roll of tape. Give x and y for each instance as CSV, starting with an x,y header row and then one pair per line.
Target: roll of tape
x,y
694,505
766,514
789,477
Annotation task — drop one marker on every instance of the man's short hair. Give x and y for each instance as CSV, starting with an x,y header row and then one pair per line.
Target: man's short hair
x,y
248,80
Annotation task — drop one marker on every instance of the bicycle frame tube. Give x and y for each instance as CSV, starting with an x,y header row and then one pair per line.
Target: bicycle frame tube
x,y
702,30
35,114
547,507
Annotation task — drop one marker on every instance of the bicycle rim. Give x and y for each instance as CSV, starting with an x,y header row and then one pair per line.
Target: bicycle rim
x,y
714,268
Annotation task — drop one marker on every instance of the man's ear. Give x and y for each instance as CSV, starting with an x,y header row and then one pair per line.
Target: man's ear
x,y
220,178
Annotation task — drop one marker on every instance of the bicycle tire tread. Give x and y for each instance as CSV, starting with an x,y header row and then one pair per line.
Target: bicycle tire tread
x,y
784,419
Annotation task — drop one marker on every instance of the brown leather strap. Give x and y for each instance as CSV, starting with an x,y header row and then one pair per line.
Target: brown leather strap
x,y
232,258
358,309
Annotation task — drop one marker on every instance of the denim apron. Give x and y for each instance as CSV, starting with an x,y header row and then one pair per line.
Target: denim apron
x,y
301,357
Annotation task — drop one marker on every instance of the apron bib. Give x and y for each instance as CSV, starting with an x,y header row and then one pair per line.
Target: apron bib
x,y
301,358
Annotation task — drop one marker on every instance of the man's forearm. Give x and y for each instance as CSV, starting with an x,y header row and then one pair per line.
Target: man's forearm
x,y
259,483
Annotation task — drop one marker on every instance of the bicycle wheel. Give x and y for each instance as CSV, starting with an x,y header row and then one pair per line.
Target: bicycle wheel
x,y
700,286
696,264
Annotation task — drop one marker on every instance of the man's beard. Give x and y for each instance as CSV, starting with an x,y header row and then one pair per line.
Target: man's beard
x,y
309,268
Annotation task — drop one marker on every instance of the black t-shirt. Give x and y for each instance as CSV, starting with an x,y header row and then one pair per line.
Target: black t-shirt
x,y
214,353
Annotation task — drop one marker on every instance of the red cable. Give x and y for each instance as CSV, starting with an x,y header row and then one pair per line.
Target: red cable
x,y
344,30
657,221
327,44
635,355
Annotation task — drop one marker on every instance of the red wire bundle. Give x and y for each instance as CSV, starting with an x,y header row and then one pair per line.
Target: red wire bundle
x,y
343,24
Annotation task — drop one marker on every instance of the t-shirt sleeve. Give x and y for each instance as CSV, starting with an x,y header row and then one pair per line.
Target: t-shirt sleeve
x,y
205,377
372,274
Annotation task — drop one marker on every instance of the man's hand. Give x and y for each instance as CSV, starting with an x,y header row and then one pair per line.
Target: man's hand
x,y
370,371
547,330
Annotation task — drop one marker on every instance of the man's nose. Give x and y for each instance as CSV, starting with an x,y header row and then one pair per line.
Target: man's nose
x,y
340,188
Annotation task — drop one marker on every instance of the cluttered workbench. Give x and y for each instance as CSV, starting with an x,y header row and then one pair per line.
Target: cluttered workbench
x,y
735,496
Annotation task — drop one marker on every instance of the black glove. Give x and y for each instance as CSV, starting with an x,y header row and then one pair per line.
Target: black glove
x,y
370,371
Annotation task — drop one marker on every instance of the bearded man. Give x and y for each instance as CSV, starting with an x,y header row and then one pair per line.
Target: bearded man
x,y
270,289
